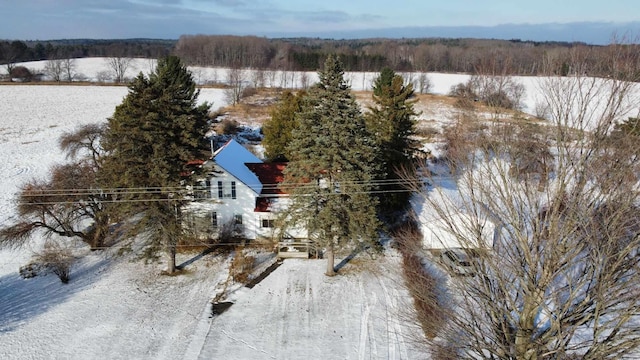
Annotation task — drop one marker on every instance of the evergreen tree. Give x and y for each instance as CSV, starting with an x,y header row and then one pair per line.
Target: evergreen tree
x,y
392,120
332,167
156,130
383,80
277,130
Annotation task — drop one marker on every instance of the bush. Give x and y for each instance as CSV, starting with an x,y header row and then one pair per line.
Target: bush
x,y
30,270
248,91
21,73
229,127
494,91
463,90
423,289
56,259
423,286
242,266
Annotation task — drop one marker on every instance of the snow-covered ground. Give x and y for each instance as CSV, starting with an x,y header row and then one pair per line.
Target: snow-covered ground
x,y
118,308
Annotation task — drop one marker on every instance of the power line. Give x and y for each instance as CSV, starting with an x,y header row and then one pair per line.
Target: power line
x,y
181,189
306,191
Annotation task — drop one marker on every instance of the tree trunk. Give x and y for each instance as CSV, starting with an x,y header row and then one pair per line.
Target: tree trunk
x,y
330,261
171,258
171,253
101,224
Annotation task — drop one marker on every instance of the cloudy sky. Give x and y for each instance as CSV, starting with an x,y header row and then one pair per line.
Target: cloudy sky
x,y
168,19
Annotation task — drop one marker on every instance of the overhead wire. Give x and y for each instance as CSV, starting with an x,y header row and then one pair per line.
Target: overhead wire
x,y
149,191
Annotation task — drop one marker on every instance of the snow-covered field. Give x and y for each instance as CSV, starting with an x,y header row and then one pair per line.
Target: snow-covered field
x,y
92,68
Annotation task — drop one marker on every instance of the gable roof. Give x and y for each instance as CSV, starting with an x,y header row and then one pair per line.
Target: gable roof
x,y
233,157
270,175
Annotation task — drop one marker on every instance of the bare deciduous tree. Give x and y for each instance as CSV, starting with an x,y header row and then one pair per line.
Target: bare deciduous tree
x,y
69,69
118,67
424,83
62,204
559,275
53,69
236,83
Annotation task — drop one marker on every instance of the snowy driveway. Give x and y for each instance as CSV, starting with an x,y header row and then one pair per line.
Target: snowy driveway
x,y
299,313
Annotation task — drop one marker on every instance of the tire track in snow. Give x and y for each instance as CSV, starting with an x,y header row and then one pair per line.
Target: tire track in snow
x,y
247,344
367,328
364,323
394,330
282,329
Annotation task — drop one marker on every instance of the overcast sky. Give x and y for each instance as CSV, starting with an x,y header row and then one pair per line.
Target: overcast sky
x,y
168,19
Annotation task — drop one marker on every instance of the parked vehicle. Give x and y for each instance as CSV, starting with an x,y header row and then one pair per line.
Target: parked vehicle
x,y
458,261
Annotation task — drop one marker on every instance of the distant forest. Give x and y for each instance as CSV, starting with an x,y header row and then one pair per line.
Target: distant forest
x,y
508,57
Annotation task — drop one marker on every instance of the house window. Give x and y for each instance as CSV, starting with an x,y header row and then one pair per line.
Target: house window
x,y
228,191
214,219
237,219
233,189
267,223
203,190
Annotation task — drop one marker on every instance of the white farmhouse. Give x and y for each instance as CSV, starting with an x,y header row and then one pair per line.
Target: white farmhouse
x,y
240,193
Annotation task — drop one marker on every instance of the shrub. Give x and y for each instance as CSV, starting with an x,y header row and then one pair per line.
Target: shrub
x,y
248,91
242,266
30,270
229,127
56,259
21,73
423,286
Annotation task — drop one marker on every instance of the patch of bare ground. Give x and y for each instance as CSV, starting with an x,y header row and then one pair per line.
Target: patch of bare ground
x,y
252,109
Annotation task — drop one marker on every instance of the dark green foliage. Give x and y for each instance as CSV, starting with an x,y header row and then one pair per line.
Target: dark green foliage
x,y
277,130
156,130
332,166
392,120
383,81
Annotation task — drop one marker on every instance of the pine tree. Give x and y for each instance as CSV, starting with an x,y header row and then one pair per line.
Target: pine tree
x,y
156,130
332,167
392,120
277,130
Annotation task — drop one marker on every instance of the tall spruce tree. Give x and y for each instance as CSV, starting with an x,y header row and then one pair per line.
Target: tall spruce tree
x,y
156,130
392,120
332,167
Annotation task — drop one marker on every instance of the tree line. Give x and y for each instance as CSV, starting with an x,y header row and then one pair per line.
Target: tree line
x,y
516,57
23,51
